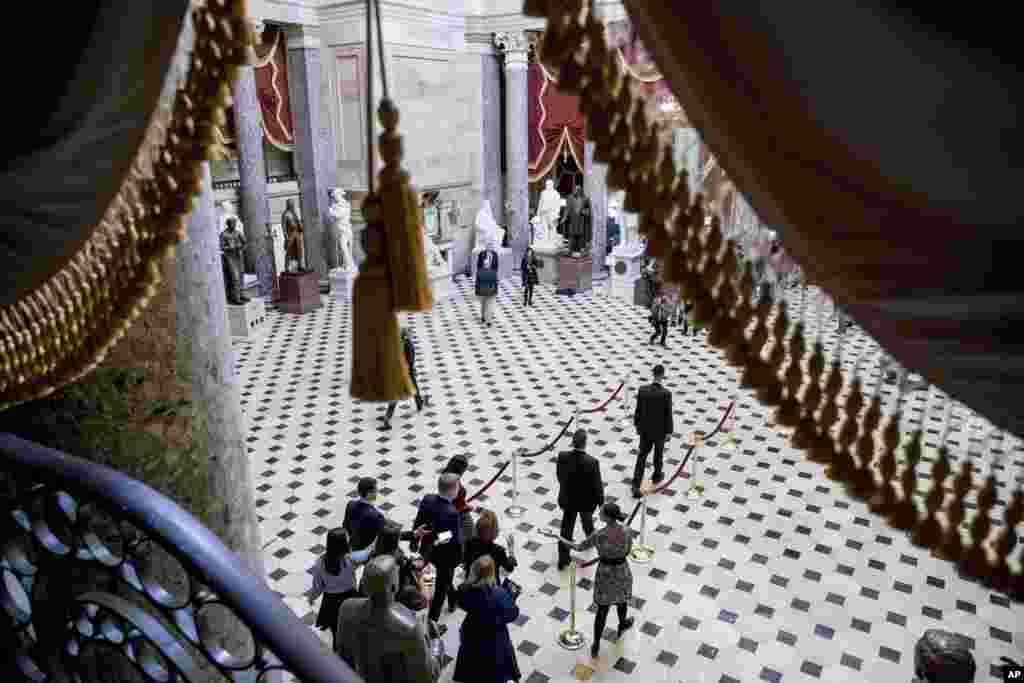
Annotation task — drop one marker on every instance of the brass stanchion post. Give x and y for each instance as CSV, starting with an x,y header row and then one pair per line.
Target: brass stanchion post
x,y
515,510
641,552
695,490
571,638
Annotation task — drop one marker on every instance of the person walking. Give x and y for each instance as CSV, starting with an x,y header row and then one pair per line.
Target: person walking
x,y
486,654
334,577
653,422
659,318
487,283
613,581
363,521
409,350
528,268
438,534
580,491
485,542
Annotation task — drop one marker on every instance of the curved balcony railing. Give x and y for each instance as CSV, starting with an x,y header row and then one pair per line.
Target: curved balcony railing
x,y
98,571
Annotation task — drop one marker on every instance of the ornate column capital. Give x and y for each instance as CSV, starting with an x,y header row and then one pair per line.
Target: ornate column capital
x,y
515,45
300,36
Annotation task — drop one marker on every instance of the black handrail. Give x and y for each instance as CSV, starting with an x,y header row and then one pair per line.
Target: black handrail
x,y
198,550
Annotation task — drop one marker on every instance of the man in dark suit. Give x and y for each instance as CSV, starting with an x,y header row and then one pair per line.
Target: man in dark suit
x,y
653,420
436,518
363,521
409,349
580,491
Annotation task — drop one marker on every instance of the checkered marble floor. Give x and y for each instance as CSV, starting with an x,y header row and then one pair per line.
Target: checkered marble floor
x,y
772,575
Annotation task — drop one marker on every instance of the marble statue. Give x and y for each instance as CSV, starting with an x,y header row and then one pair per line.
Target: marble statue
x,y
435,260
382,640
226,209
578,221
488,234
232,249
294,239
545,221
630,244
340,216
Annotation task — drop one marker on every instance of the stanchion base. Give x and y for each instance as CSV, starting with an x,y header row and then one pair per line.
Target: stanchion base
x,y
515,511
642,554
571,640
695,491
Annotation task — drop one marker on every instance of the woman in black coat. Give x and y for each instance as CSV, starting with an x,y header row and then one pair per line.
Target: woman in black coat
x,y
487,283
528,267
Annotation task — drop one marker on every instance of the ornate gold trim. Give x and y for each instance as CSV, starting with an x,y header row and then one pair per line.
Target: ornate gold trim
x,y
63,329
703,263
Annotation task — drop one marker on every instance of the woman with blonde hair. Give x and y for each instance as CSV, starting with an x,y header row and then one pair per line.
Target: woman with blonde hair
x,y
486,654
484,543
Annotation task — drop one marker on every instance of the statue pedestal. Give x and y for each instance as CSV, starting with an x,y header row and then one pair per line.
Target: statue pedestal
x,y
548,256
575,274
440,275
341,283
626,266
505,266
248,320
300,292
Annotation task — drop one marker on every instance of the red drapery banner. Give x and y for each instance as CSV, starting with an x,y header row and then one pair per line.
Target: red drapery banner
x,y
556,125
554,121
271,71
272,91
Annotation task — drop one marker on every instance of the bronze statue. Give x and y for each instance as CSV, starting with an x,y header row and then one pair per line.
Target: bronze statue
x,y
577,217
294,239
232,248
382,640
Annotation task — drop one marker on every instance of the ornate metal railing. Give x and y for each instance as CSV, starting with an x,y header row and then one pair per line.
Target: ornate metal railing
x,y
103,578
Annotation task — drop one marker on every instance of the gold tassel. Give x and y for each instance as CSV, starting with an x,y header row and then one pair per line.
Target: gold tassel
x,y
392,278
928,533
977,561
905,515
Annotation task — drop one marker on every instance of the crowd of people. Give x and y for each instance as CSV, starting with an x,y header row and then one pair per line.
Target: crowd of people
x,y
373,620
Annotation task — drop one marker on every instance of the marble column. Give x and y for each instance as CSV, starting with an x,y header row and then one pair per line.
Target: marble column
x,y
314,143
252,168
595,186
206,359
514,47
490,96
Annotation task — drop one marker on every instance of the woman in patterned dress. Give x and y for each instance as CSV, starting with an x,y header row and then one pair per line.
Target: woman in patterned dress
x,y
613,581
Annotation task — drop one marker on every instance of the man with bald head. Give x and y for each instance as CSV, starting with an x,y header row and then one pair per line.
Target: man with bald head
x,y
382,640
439,532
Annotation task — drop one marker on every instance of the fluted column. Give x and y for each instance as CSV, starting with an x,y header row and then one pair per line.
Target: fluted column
x,y
252,168
595,186
314,142
514,48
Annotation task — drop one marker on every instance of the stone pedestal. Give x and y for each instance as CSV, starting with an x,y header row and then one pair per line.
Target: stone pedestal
x,y
548,256
507,265
300,292
440,284
575,274
341,283
248,320
626,266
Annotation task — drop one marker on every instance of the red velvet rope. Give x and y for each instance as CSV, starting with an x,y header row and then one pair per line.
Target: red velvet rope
x,y
686,458
501,471
610,399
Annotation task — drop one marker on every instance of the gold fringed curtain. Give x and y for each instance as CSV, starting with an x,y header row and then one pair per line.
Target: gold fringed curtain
x,y
883,155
